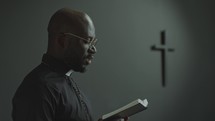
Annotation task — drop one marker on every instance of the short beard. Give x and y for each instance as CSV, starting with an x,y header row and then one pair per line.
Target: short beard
x,y
75,67
73,63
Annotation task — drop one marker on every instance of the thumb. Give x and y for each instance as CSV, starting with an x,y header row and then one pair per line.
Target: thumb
x,y
126,118
100,119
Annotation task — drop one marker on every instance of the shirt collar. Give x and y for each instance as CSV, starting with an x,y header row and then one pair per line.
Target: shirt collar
x,y
69,73
56,65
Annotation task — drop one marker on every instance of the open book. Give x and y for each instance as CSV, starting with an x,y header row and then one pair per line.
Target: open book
x,y
127,110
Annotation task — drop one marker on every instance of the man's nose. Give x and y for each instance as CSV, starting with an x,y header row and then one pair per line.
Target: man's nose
x,y
92,49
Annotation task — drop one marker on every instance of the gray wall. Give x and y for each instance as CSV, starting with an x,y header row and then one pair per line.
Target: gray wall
x,y
124,68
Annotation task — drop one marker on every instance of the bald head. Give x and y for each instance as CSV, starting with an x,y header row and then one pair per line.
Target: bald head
x,y
70,35
67,20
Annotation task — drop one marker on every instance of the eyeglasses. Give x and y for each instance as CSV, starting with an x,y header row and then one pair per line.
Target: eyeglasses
x,y
90,41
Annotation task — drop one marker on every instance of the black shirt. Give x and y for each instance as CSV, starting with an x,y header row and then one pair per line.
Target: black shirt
x,y
47,94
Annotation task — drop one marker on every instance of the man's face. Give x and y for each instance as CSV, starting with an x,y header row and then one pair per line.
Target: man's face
x,y
80,50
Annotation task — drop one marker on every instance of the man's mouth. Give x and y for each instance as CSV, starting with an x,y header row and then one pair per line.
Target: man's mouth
x,y
88,60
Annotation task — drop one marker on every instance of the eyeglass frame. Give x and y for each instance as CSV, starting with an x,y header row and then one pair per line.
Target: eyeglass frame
x,y
91,42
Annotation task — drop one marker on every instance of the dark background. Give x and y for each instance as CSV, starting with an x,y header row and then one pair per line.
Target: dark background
x,y
125,68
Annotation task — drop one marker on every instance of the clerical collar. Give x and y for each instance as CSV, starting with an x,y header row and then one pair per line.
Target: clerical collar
x,y
56,65
69,73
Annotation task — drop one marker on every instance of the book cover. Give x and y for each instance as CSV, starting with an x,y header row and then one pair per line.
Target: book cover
x,y
128,110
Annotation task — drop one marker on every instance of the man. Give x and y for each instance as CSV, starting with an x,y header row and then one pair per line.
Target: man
x,y
48,93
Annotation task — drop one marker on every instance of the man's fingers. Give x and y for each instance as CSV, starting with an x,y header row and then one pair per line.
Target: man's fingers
x,y
100,119
126,119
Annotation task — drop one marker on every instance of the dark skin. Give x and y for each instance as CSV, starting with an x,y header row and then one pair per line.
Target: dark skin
x,y
73,51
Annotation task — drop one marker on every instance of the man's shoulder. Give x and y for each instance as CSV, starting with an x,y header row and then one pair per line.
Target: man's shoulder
x,y
43,77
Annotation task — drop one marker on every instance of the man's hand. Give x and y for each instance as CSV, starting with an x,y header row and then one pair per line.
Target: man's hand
x,y
122,119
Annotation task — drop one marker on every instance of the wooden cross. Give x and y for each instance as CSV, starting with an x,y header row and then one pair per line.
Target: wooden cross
x,y
162,48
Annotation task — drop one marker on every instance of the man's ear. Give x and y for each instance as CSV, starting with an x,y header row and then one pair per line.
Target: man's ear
x,y
61,41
